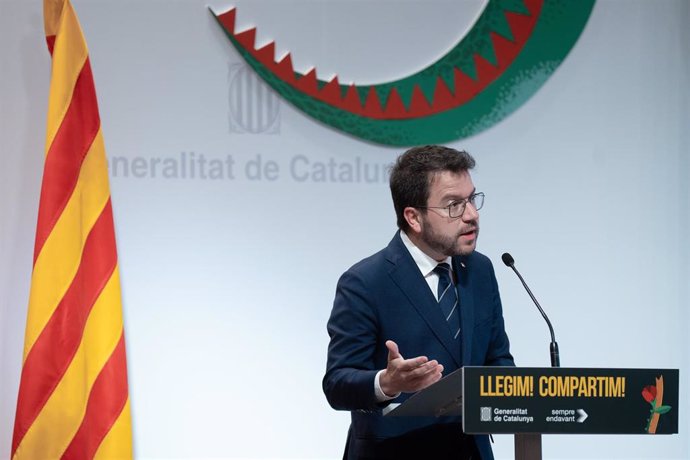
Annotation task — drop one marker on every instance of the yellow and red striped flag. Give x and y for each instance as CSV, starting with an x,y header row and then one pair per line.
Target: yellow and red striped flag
x,y
73,396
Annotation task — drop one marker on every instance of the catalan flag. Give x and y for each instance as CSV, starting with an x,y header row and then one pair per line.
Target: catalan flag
x,y
73,396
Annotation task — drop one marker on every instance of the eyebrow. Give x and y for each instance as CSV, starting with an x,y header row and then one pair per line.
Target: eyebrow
x,y
455,197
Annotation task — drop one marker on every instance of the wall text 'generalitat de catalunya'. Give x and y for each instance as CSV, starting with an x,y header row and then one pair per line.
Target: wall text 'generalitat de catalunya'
x,y
258,167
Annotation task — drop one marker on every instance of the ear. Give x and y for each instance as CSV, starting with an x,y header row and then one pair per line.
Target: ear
x,y
413,218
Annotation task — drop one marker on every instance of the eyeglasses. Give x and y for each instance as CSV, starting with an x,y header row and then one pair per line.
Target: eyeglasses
x,y
457,208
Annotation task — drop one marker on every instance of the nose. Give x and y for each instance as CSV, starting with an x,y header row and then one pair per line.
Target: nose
x,y
470,213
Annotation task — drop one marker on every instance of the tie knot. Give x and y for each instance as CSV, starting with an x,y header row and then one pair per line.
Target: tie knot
x,y
442,270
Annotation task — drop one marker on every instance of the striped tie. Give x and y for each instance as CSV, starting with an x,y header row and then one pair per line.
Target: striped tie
x,y
448,298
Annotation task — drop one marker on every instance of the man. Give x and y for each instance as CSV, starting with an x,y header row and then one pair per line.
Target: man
x,y
394,332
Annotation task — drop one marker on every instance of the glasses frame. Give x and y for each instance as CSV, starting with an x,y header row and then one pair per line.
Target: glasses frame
x,y
470,199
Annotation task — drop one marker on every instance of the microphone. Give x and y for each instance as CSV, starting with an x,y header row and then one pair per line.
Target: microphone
x,y
555,358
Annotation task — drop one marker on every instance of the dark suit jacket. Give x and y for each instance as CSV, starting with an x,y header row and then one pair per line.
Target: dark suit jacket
x,y
386,297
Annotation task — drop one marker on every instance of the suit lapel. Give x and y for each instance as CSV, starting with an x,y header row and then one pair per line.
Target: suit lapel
x,y
406,275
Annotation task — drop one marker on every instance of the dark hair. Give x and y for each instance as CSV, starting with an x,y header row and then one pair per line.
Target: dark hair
x,y
414,171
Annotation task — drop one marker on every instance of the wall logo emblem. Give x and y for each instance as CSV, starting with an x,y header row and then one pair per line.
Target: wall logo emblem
x,y
253,107
510,51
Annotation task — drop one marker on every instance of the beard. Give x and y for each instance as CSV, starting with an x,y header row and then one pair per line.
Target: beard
x,y
450,245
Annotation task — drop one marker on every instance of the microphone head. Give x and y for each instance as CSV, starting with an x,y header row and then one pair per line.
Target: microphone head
x,y
508,259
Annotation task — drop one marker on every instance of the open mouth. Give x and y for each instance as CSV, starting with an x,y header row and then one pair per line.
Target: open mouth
x,y
469,233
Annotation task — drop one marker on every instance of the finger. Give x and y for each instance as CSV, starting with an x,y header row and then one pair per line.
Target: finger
x,y
423,369
393,352
428,371
411,364
433,378
428,379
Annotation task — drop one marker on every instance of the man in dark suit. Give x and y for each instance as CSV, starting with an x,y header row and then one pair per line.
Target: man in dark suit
x,y
422,307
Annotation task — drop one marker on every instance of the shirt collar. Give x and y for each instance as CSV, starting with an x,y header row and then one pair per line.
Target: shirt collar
x,y
425,263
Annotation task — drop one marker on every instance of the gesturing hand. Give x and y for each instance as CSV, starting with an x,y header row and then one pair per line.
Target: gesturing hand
x,y
407,375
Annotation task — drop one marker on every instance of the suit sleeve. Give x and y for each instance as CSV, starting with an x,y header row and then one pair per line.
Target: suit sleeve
x,y
353,329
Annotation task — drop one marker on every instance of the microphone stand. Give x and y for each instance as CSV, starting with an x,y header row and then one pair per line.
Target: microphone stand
x,y
528,445
553,346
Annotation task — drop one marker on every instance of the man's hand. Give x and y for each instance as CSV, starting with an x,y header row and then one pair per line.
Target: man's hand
x,y
407,375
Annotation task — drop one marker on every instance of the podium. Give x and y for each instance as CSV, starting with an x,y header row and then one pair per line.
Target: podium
x,y
529,402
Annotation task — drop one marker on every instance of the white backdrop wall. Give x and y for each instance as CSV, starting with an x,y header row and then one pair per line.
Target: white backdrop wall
x,y
228,282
